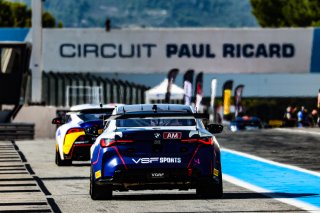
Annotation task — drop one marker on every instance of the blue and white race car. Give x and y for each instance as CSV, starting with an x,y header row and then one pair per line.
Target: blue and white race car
x,y
78,130
162,146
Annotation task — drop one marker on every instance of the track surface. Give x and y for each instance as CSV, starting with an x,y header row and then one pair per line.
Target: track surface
x,y
298,147
68,186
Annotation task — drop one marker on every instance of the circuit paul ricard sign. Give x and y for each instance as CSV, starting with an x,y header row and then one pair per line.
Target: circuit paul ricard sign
x,y
159,50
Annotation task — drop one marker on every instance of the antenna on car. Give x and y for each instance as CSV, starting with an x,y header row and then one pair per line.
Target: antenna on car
x,y
155,108
103,120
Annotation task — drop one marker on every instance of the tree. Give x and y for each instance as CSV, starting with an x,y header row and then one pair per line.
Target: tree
x,y
15,14
21,15
286,13
6,17
48,20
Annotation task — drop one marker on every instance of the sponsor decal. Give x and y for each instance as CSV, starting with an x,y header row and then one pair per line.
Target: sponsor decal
x,y
172,135
170,160
196,161
156,160
157,142
81,142
215,172
157,135
157,175
98,174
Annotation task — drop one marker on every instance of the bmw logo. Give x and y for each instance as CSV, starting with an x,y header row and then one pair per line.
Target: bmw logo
x,y
157,135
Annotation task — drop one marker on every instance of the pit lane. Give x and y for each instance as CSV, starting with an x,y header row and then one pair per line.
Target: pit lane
x,y
68,186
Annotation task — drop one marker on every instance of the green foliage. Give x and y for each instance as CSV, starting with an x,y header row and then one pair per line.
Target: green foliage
x,y
287,13
6,19
48,20
21,15
15,14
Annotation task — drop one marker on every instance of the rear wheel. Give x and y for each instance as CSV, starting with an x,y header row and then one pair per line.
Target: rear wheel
x,y
61,162
210,189
99,192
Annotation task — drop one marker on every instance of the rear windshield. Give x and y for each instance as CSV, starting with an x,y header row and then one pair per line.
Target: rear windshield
x,y
92,117
155,122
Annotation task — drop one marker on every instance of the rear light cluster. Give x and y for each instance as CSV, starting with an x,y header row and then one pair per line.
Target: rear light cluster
x,y
74,130
104,142
205,141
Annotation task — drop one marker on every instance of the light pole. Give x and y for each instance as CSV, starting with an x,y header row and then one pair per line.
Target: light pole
x,y
36,59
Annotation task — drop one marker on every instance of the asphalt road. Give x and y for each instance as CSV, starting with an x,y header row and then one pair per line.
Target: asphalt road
x,y
298,147
68,186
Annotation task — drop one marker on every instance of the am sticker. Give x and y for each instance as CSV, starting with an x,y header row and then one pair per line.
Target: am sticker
x,y
172,135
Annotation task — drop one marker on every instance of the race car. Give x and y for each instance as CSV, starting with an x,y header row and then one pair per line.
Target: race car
x,y
162,146
78,130
245,123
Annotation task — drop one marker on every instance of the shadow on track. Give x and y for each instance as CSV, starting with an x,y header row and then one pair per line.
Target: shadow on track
x,y
252,195
193,196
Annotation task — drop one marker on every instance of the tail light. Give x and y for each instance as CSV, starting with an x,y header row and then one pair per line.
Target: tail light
x,y
74,130
104,142
205,141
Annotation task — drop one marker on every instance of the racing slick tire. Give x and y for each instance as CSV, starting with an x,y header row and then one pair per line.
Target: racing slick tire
x,y
61,162
99,192
210,189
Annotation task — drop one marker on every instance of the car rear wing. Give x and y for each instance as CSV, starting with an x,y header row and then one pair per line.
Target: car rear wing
x,y
92,111
156,114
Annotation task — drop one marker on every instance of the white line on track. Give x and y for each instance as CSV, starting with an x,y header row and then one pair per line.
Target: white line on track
x,y
298,131
291,201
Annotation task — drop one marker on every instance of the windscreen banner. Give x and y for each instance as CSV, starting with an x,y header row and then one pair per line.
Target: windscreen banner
x,y
227,92
237,99
187,86
199,90
213,96
172,74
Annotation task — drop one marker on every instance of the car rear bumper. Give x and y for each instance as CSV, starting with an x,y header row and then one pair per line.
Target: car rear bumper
x,y
141,179
79,152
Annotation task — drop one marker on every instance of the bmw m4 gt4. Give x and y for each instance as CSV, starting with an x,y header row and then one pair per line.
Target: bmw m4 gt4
x,y
163,146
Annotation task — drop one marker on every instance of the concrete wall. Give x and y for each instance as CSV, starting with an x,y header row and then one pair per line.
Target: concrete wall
x,y
41,116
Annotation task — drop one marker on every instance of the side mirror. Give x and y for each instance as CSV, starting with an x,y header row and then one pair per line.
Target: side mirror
x,y
214,128
57,121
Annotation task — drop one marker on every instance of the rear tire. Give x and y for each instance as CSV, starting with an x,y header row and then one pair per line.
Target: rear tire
x,y
210,188
99,192
61,162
